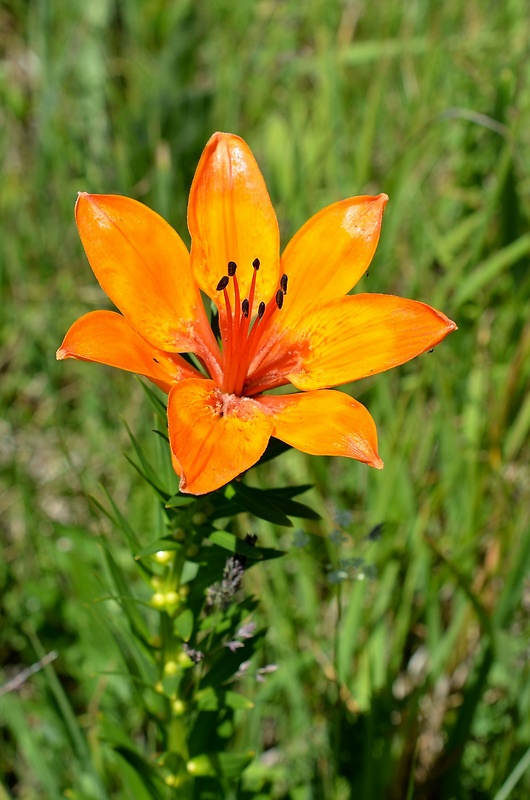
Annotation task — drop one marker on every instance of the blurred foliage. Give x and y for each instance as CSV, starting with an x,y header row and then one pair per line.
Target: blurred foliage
x,y
402,649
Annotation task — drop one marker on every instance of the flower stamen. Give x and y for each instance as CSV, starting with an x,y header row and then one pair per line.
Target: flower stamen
x,y
241,332
232,267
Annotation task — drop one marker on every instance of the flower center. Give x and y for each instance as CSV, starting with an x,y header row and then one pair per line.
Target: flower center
x,y
243,327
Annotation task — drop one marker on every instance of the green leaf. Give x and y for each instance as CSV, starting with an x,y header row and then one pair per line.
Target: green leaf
x,y
224,502
514,777
143,769
127,603
160,544
222,506
209,564
221,765
235,545
225,663
183,624
163,495
237,701
112,731
158,404
293,491
189,572
118,520
258,502
178,500
146,468
207,699
231,765
162,435
275,448
138,662
292,507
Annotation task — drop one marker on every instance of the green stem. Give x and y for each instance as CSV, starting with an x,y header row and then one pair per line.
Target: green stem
x,y
172,675
336,731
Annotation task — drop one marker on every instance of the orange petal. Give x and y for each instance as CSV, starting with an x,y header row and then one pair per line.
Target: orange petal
x,y
330,253
325,423
214,437
361,335
231,218
143,266
176,465
107,337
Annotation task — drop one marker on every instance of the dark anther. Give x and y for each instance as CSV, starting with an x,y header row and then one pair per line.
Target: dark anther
x,y
245,308
261,310
279,298
223,283
232,266
255,263
283,283
156,360
431,351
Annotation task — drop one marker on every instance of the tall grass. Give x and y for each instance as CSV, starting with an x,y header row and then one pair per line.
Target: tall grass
x,y
403,655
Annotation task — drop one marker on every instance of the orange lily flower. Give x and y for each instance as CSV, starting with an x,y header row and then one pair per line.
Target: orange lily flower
x,y
281,321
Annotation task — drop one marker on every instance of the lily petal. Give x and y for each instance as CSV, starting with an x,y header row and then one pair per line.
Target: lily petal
x,y
231,218
214,437
330,253
107,338
357,336
143,266
175,463
325,423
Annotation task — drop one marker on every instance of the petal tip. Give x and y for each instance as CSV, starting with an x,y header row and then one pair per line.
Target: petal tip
x,y
183,487
61,354
82,197
377,463
221,137
218,135
448,326
86,201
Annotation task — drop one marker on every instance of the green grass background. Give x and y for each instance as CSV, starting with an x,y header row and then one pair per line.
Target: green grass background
x,y
409,678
